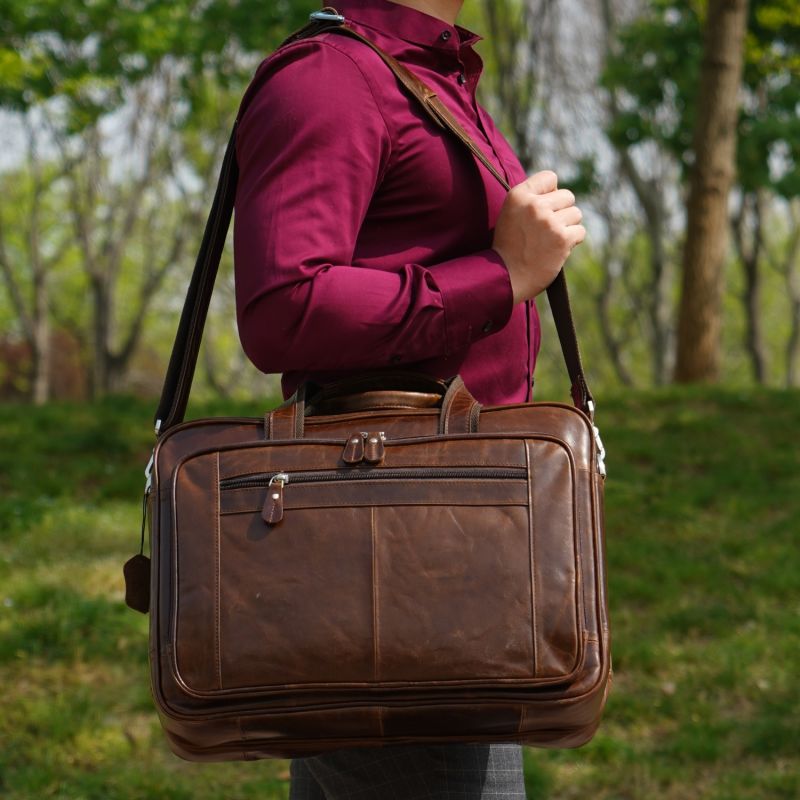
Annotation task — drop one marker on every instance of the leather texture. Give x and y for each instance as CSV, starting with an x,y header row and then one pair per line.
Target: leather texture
x,y
379,560
454,590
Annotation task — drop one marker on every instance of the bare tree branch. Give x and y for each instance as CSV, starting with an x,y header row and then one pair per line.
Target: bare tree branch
x,y
14,289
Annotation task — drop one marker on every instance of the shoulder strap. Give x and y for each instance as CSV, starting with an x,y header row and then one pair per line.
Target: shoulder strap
x,y
180,372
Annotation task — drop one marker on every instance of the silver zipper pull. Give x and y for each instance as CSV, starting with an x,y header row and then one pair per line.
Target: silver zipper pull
x,y
272,513
327,14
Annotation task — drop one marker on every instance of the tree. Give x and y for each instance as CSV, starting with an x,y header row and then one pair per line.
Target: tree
x,y
652,74
129,238
138,100
714,146
31,248
651,186
521,43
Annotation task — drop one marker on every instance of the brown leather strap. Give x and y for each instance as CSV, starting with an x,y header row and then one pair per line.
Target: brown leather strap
x,y
372,400
287,421
400,380
182,362
438,112
178,380
459,413
376,389
557,292
460,410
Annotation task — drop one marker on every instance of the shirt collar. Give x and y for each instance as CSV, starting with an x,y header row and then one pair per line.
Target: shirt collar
x,y
407,23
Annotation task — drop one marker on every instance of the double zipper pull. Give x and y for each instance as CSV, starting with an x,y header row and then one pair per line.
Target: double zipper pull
x,y
272,512
374,449
354,448
363,446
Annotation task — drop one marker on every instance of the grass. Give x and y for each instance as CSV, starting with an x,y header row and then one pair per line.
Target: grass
x,y
702,516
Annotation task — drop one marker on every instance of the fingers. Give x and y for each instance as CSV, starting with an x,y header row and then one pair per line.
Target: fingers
x,y
575,234
545,185
561,198
568,215
558,202
542,182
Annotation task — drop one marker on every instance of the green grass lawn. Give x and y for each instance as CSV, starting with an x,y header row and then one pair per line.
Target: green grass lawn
x,y
702,516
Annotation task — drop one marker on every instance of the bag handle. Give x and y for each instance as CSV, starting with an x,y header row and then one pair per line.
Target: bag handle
x,y
459,410
183,360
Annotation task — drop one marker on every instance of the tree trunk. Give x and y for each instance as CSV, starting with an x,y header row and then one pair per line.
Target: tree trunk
x,y
660,305
754,338
613,263
40,342
700,318
792,274
613,345
793,344
40,311
521,36
649,193
33,311
750,249
101,332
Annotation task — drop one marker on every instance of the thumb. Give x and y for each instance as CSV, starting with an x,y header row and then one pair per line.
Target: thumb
x,y
542,182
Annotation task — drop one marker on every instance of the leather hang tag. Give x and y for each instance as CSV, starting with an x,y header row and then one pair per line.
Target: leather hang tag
x,y
137,583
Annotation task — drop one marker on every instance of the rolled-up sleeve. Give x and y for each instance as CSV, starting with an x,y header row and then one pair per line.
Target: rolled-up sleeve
x,y
312,148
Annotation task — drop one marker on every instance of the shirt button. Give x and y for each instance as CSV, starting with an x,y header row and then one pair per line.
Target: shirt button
x,y
488,326
446,35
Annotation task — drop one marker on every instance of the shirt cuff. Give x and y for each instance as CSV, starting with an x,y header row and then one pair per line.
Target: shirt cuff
x,y
476,295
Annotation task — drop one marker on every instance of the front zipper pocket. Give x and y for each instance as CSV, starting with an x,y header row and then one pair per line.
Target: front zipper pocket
x,y
442,566
275,482
263,478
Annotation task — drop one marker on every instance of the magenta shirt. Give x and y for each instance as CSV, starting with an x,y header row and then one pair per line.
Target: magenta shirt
x,y
362,231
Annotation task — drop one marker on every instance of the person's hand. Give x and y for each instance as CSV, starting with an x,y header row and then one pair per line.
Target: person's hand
x,y
538,226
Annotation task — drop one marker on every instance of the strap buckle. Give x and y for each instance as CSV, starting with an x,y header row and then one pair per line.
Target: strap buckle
x,y
601,451
327,14
148,473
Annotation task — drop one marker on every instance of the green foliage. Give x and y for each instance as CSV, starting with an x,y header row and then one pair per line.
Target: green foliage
x,y
132,196
86,53
703,510
629,316
655,70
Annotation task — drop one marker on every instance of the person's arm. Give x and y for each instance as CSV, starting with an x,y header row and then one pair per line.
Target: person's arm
x,y
312,147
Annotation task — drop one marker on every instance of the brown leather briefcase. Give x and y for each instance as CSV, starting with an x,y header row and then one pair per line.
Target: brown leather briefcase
x,y
379,560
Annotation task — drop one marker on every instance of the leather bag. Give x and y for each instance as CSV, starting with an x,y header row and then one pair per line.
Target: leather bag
x,y
377,560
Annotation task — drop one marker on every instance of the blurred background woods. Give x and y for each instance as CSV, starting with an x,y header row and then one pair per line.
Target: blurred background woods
x,y
114,116
677,124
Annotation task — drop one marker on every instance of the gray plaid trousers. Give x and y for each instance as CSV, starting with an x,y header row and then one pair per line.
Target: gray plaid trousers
x,y
412,772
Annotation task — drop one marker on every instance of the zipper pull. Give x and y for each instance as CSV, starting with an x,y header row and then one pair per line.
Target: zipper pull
x,y
354,448
374,450
272,512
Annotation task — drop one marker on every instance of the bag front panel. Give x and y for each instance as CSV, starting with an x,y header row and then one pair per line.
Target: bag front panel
x,y
428,579
452,593
294,601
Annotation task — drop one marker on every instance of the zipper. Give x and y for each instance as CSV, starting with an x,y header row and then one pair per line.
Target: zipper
x,y
272,512
396,473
